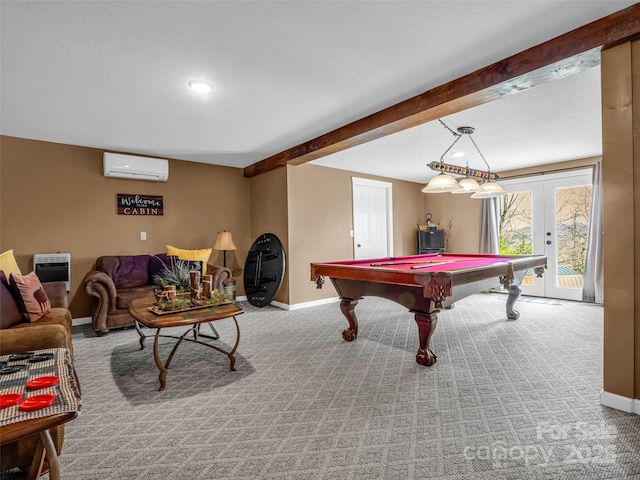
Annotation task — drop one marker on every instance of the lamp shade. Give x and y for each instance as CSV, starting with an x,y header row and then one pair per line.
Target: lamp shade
x,y
469,185
224,241
442,183
489,190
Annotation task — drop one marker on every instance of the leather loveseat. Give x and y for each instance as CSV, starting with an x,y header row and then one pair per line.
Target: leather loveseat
x,y
118,279
53,330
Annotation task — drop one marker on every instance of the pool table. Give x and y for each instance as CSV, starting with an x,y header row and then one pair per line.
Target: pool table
x,y
424,284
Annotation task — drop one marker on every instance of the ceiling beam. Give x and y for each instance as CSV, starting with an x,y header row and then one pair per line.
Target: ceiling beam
x,y
559,57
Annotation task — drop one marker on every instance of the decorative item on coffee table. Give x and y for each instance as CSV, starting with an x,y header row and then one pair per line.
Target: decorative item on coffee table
x,y
176,274
194,284
195,297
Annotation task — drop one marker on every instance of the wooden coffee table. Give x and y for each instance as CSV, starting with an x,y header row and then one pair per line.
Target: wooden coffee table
x,y
140,311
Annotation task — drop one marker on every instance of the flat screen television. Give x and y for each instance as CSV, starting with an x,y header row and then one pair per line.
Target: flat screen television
x,y
430,241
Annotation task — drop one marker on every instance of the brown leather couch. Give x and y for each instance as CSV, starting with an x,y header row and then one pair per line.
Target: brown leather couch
x,y
51,331
118,279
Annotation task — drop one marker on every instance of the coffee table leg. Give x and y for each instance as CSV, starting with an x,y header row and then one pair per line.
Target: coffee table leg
x,y
232,359
163,367
156,356
142,335
197,333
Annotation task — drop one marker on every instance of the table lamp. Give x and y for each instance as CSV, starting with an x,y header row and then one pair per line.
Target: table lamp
x,y
224,242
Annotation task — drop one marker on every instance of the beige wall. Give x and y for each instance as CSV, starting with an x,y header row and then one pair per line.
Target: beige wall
x,y
321,215
54,198
464,214
268,214
621,210
634,136
319,223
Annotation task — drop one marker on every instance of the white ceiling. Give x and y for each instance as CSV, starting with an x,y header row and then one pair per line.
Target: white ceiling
x,y
553,122
113,75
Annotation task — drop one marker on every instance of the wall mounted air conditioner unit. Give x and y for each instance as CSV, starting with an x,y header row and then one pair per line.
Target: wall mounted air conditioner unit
x,y
139,168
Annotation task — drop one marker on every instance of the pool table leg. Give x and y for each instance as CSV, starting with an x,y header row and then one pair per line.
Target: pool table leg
x,y
347,307
514,294
426,326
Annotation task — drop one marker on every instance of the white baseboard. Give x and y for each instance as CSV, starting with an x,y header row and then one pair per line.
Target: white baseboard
x,y
625,404
81,321
298,306
283,306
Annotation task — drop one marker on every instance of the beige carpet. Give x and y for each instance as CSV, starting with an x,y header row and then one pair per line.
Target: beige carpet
x,y
505,400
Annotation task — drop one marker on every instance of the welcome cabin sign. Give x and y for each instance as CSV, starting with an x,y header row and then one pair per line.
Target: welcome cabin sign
x,y
134,204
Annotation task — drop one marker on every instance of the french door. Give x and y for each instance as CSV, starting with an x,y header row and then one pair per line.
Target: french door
x,y
549,215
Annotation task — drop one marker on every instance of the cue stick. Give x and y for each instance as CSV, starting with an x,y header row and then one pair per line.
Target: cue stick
x,y
419,262
402,262
413,267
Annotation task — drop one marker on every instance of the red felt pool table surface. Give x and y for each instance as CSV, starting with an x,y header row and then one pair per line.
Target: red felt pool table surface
x,y
433,262
424,284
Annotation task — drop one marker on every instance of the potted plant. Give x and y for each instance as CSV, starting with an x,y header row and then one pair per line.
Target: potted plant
x,y
176,273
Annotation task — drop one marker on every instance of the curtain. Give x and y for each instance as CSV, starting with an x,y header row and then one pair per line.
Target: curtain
x,y
489,235
592,289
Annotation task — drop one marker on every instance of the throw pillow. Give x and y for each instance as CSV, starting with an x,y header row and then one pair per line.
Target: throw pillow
x,y
197,255
8,263
30,297
9,313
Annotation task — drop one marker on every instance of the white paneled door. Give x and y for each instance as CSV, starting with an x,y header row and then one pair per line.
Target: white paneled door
x,y
372,219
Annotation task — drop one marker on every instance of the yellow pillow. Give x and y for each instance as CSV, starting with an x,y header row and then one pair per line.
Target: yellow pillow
x,y
197,255
8,263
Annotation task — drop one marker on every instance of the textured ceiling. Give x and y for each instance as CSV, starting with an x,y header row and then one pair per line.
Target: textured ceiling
x,y
113,75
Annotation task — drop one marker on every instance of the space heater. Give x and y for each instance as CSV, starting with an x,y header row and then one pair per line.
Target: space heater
x,y
53,267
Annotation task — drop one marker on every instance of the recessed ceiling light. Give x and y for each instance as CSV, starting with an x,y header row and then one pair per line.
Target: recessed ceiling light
x,y
200,86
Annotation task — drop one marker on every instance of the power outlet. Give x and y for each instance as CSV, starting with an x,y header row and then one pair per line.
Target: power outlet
x,y
143,235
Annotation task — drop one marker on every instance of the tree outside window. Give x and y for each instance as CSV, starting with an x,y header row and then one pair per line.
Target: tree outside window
x,y
515,223
573,211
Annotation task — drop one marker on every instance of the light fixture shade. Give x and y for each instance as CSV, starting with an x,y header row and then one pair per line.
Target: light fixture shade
x,y
200,86
224,241
442,183
490,190
469,185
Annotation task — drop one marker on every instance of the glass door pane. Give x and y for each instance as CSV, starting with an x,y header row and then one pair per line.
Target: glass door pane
x,y
517,233
572,214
